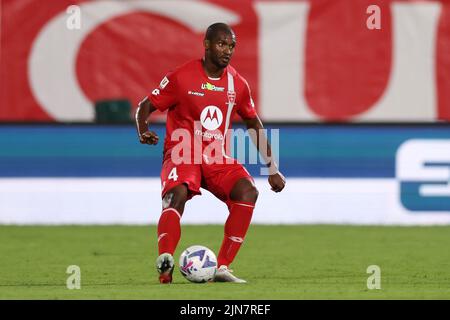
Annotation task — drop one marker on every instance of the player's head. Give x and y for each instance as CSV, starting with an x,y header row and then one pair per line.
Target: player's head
x,y
219,43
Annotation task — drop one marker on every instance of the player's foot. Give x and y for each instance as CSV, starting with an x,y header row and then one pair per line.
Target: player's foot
x,y
223,274
165,265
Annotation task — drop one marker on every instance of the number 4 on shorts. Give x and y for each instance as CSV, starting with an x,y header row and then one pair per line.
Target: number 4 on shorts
x,y
173,174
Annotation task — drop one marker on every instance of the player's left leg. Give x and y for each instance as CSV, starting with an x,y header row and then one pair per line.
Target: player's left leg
x,y
241,203
233,185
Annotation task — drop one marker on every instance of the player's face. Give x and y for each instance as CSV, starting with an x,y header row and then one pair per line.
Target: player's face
x,y
221,49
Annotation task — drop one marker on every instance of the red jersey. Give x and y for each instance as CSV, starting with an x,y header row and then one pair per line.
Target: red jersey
x,y
200,108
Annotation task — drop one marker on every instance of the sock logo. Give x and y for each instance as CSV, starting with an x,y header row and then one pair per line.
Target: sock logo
x,y
236,239
162,235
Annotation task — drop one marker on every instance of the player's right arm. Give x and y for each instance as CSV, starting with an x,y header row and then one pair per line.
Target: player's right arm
x,y
145,108
161,98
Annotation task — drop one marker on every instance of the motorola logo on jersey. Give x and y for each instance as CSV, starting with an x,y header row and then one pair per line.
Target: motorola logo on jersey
x,y
211,118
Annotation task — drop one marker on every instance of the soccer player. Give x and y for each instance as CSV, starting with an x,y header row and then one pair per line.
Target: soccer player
x,y
201,97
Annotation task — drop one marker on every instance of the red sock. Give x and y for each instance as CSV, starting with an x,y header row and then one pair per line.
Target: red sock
x,y
235,229
169,231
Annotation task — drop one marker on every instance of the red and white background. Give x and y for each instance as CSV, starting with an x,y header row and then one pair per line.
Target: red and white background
x,y
305,60
310,61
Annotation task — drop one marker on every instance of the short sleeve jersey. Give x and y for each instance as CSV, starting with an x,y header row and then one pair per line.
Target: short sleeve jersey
x,y
199,107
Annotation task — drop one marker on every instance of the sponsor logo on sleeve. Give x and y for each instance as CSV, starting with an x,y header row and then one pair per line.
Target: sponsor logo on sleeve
x,y
164,82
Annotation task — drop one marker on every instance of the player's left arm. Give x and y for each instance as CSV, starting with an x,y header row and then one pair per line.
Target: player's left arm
x,y
276,179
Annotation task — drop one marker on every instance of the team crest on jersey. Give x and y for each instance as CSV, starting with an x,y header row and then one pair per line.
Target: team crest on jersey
x,y
231,97
164,82
211,118
211,87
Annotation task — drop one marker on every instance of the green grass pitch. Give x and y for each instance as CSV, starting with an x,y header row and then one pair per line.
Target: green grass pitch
x,y
279,262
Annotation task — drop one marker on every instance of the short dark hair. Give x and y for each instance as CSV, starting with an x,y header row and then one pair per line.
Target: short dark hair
x,y
215,28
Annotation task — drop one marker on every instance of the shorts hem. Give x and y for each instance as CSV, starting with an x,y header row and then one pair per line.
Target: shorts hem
x,y
192,191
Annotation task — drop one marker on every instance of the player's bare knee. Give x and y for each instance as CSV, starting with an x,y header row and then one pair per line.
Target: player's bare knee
x,y
170,200
250,194
176,198
245,192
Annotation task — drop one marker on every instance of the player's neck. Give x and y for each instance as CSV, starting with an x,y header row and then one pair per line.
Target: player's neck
x,y
211,69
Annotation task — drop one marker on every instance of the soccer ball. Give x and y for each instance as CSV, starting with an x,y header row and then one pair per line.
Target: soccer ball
x,y
198,264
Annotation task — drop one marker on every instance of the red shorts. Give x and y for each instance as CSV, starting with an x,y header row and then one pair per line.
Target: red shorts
x,y
218,179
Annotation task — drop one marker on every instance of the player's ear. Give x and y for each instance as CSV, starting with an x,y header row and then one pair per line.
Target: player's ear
x,y
206,43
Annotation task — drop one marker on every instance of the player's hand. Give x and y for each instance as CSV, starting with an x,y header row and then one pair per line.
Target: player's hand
x,y
277,181
149,137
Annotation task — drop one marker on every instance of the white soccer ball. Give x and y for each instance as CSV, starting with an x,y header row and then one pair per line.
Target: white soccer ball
x,y
198,264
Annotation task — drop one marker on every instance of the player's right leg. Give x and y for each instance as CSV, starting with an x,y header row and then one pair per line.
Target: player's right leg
x,y
169,230
180,183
